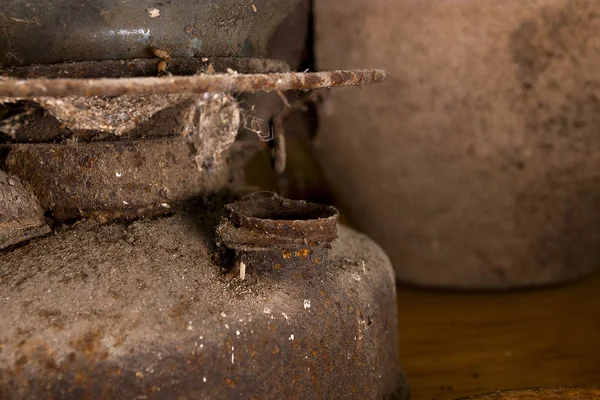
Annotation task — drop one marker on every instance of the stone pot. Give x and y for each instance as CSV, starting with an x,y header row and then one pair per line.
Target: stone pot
x,y
475,164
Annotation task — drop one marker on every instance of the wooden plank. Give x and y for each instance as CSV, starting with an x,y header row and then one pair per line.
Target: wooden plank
x,y
456,344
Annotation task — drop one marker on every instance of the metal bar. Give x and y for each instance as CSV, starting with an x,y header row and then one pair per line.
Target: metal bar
x,y
221,83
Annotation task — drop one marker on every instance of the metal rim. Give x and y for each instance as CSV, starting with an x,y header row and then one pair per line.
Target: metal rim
x,y
277,223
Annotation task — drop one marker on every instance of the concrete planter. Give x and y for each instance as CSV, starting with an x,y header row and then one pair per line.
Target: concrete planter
x,y
475,165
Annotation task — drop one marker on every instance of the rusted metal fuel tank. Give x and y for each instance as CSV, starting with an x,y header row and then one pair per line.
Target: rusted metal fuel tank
x,y
131,265
143,310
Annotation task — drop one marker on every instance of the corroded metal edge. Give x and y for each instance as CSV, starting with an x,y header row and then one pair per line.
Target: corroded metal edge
x,y
220,83
139,67
275,223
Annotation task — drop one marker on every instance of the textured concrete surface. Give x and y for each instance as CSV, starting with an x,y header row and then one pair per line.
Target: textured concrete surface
x,y
475,164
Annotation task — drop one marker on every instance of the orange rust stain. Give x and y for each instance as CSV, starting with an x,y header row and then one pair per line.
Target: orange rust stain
x,y
79,378
276,351
231,382
90,346
252,350
286,254
277,267
303,253
317,260
315,353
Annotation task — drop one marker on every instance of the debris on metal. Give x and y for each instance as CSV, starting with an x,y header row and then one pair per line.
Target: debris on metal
x,y
21,217
117,115
211,124
144,67
220,83
117,179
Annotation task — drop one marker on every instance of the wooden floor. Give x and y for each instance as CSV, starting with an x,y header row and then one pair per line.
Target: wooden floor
x,y
458,344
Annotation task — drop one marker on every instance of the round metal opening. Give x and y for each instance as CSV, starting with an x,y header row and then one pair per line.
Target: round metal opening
x,y
283,210
282,219
278,209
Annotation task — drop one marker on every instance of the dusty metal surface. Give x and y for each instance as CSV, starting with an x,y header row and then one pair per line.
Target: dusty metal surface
x,y
144,67
114,179
541,394
117,115
140,311
45,32
220,83
21,217
50,119
33,124
215,112
150,309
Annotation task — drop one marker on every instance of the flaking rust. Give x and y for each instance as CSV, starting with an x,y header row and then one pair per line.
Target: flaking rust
x,y
277,236
117,179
